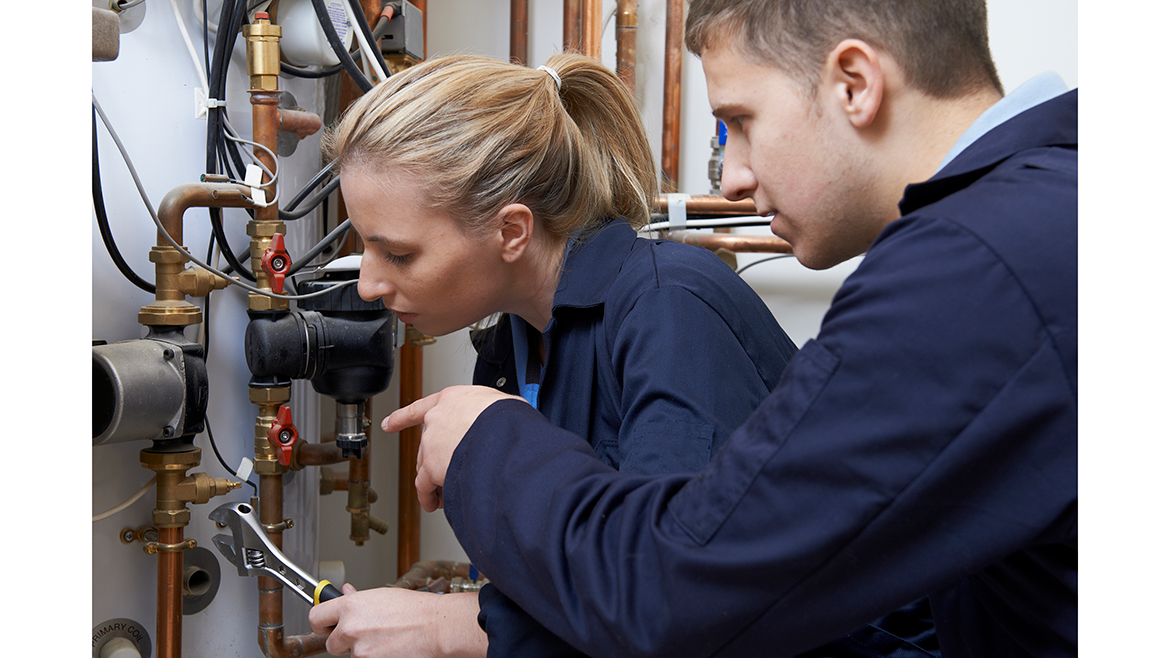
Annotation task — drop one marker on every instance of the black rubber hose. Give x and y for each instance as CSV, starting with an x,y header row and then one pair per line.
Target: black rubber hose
x,y
347,62
99,208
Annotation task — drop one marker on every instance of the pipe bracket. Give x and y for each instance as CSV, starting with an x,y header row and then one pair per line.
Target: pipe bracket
x,y
155,547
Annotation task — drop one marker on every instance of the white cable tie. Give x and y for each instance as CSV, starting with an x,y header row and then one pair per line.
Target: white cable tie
x,y
245,469
203,103
676,210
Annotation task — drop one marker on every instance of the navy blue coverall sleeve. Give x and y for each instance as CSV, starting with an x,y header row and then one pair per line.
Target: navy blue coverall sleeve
x,y
924,441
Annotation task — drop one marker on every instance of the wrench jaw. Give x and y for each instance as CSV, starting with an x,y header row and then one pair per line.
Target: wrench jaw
x,y
253,554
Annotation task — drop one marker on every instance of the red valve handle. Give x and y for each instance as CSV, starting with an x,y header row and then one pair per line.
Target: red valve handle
x,y
283,435
276,262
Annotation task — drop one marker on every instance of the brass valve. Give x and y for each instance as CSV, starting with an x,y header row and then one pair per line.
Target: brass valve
x,y
263,52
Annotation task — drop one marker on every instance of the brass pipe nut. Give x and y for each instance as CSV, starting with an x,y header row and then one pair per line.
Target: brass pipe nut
x,y
265,303
167,254
273,396
163,518
264,229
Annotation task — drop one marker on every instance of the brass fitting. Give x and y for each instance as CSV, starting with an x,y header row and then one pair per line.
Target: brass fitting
x,y
263,52
198,282
170,307
268,399
175,489
261,233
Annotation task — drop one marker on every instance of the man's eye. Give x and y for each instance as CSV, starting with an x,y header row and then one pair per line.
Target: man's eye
x,y
396,259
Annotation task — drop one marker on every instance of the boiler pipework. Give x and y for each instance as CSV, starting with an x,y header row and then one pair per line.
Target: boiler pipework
x,y
266,231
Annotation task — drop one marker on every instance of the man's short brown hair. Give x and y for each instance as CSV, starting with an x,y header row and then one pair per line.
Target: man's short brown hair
x,y
940,45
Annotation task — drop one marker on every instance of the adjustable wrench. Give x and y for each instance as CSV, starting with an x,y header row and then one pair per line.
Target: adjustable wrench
x,y
253,554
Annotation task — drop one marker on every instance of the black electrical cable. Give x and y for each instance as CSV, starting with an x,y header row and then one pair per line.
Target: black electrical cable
x,y
334,235
762,260
296,72
300,196
329,188
206,356
231,17
99,208
347,62
365,30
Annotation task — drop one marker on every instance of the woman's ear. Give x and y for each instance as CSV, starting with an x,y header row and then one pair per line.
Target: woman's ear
x,y
855,76
515,223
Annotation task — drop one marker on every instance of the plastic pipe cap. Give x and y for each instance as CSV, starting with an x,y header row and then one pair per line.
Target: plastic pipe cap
x,y
119,647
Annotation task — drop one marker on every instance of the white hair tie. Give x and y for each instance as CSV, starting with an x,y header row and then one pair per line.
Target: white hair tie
x,y
556,78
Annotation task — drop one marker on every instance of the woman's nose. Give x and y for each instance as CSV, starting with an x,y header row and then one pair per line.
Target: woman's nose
x,y
371,285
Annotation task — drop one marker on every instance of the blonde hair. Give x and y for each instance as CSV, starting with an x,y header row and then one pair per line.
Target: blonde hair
x,y
479,134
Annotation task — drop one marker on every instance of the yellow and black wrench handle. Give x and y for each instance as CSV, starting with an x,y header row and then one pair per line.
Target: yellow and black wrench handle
x,y
325,591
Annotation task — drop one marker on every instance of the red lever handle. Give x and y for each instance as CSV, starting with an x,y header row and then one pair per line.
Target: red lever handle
x,y
276,262
282,435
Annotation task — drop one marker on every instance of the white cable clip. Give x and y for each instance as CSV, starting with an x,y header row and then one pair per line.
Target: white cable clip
x,y
203,103
245,469
676,210
252,175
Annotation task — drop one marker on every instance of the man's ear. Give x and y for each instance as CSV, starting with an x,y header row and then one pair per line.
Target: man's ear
x,y
516,225
856,80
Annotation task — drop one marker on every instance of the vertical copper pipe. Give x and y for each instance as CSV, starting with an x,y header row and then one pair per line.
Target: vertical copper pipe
x,y
169,622
572,26
518,43
591,28
271,506
409,512
265,126
626,34
672,96
421,5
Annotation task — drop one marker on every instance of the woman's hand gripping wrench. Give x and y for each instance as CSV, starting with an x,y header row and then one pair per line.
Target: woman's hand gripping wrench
x,y
253,554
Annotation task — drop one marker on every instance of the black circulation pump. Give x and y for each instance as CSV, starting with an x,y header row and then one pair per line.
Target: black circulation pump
x,y
339,342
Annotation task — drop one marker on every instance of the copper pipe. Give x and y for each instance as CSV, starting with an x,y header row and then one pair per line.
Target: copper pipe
x,y
572,26
417,577
591,28
317,454
299,122
518,41
169,622
410,370
713,205
765,244
358,501
627,41
265,122
672,96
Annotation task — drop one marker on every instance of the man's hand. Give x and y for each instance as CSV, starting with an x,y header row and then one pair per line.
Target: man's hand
x,y
445,416
392,622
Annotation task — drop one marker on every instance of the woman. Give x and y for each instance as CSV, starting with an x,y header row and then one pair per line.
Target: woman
x,y
481,188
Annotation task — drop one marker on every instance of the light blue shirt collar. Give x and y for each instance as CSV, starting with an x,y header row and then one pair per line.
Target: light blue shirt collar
x,y
1039,89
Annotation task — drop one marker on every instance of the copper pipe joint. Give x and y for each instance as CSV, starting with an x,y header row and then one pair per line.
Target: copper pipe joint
x,y
626,34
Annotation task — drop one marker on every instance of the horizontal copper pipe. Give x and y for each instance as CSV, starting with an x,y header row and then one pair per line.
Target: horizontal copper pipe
x,y
319,454
713,205
766,244
298,122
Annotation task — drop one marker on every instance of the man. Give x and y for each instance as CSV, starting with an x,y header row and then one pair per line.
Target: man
x,y
924,444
